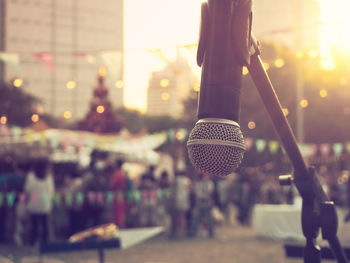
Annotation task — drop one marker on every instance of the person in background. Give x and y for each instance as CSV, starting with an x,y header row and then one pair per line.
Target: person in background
x,y
247,191
164,188
203,189
180,204
9,182
223,196
347,216
21,216
74,185
39,187
119,185
271,191
95,185
149,201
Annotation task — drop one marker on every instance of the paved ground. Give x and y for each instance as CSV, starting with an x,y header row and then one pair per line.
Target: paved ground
x,y
235,244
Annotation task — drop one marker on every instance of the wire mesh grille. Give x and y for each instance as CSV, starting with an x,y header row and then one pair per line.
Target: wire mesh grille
x,y
208,156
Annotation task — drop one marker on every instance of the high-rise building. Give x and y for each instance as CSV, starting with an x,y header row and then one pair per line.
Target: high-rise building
x,y
2,34
60,45
294,23
169,88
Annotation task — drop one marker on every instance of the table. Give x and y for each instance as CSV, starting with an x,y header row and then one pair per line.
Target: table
x,y
127,238
283,222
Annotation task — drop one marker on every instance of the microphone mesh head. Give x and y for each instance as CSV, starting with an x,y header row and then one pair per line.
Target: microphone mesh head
x,y
216,146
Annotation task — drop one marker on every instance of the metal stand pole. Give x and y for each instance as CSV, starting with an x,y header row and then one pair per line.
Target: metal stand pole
x,y
318,212
101,255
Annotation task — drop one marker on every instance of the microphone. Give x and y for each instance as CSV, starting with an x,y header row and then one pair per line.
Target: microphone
x,y
216,144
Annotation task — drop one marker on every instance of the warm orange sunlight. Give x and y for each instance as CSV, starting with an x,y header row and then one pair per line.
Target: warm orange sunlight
x,y
153,31
334,32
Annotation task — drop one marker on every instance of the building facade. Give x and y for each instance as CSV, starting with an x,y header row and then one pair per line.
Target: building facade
x,y
294,23
2,35
61,44
169,88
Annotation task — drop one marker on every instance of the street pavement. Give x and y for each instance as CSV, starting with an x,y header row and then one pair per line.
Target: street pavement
x,y
232,244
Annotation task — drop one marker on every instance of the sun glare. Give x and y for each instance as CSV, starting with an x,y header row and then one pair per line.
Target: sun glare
x,y
335,24
154,30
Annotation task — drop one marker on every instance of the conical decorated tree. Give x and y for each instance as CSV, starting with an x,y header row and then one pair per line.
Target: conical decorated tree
x,y
101,118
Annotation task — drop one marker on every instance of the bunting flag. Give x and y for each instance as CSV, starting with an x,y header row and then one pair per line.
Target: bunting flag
x,y
248,143
130,196
16,132
99,197
93,197
159,54
337,148
88,58
5,130
308,150
57,198
348,147
325,149
109,197
112,59
22,198
80,198
46,59
260,145
273,146
69,199
142,148
10,197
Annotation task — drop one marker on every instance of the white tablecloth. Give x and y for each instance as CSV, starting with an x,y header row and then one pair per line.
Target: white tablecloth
x,y
283,222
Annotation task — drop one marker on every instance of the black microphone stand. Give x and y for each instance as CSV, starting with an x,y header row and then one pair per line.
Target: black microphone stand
x,y
318,211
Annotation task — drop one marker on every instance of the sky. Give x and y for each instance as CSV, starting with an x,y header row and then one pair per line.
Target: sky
x,y
164,24
336,20
150,25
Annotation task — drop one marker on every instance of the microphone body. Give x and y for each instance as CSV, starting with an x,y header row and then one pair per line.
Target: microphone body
x,y
216,143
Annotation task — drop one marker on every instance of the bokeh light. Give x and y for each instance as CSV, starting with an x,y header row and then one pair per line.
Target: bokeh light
x,y
245,71
343,81
3,120
196,87
251,125
304,103
67,114
164,83
35,118
100,109
266,66
299,54
165,96
17,82
279,63
71,84
285,112
102,72
323,93
313,53
119,84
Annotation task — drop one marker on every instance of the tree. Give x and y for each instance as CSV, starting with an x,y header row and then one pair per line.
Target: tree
x,y
133,120
101,118
17,105
327,118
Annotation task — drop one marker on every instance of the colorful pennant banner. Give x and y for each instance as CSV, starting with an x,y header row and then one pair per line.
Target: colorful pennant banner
x,y
93,197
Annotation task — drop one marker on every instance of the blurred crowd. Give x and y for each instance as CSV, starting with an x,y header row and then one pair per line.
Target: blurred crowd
x,y
53,202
